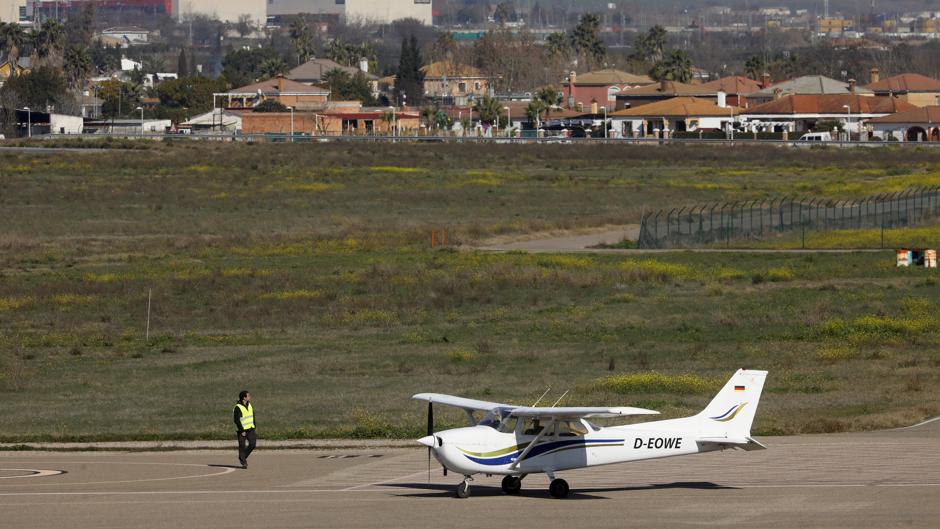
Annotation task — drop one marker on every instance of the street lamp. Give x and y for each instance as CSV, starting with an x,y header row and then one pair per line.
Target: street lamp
x,y
141,119
848,121
29,122
509,118
291,123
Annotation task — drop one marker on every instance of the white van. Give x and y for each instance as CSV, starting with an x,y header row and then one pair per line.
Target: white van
x,y
816,136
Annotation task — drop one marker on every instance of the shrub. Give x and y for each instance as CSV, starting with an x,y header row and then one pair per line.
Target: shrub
x,y
835,353
461,355
653,270
653,382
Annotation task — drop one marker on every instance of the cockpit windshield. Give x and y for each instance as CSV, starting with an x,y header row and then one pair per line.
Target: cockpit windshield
x,y
497,419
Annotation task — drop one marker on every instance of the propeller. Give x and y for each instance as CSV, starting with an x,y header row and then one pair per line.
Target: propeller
x,y
430,432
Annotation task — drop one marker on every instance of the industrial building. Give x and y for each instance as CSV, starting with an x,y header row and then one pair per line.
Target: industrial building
x,y
224,10
380,11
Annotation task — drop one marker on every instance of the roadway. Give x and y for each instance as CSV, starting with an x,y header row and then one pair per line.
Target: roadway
x,y
878,480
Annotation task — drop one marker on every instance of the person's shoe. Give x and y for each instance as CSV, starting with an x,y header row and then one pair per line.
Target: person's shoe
x,y
244,463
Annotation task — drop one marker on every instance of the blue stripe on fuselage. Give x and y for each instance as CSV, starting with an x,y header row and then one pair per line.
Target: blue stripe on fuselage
x,y
537,450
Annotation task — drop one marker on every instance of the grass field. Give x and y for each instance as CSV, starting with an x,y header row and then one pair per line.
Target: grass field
x,y
305,274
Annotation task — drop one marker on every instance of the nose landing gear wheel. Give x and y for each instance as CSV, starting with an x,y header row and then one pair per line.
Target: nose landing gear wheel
x,y
558,488
512,485
463,490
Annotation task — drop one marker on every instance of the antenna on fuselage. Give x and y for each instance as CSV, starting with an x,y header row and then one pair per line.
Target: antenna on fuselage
x,y
543,396
561,397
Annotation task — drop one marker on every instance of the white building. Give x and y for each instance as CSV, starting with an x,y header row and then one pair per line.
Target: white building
x,y
12,10
385,11
309,7
224,10
379,11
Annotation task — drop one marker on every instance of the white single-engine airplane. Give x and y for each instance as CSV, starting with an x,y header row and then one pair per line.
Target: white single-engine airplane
x,y
516,441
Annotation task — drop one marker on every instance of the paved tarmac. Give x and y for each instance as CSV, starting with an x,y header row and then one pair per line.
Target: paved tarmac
x,y
878,480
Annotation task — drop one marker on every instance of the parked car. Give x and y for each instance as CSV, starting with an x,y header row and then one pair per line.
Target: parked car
x,y
816,136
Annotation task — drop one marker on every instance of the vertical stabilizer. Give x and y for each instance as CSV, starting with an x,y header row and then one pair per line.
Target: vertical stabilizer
x,y
733,409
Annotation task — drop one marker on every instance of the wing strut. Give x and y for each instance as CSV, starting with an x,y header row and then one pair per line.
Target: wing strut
x,y
551,424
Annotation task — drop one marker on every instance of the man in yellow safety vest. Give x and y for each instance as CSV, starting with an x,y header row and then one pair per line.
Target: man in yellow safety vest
x,y
245,426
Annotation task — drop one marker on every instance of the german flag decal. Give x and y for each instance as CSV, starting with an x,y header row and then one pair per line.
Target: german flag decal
x,y
739,388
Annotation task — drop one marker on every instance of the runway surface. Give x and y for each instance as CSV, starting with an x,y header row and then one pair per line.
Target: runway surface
x,y
884,479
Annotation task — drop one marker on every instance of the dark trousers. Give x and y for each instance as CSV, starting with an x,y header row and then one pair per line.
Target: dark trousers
x,y
246,444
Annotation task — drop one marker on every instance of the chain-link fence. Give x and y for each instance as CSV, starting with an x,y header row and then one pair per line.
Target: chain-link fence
x,y
757,220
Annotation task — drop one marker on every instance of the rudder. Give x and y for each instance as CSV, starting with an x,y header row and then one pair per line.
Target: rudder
x,y
734,407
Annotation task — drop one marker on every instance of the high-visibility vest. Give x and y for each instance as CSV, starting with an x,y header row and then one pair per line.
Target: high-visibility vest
x,y
248,416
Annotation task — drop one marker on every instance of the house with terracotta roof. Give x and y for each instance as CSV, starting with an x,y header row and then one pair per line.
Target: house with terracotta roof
x,y
284,91
914,88
599,87
736,88
916,124
451,79
808,85
661,91
678,114
801,113
312,71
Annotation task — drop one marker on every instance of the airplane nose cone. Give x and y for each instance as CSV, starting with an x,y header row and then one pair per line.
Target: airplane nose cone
x,y
427,441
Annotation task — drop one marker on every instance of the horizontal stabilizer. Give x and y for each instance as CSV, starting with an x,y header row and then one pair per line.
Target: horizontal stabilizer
x,y
744,443
575,413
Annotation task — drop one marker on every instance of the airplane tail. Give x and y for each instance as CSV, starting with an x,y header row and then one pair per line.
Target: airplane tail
x,y
733,409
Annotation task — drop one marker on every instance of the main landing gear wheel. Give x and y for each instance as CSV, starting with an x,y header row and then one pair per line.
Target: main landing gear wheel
x,y
512,485
558,488
463,490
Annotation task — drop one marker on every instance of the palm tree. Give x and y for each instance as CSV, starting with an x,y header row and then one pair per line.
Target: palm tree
x,y
50,38
656,42
302,38
429,115
76,64
272,67
677,67
13,39
558,46
489,109
549,97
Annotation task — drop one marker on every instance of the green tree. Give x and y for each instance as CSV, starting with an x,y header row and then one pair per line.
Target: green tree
x,y
77,65
676,67
586,40
302,39
119,99
272,67
754,67
13,40
192,93
410,80
651,46
50,39
270,105
558,46
346,87
243,67
41,88
488,110
182,64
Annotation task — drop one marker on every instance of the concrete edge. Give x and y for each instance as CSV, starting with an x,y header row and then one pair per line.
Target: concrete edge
x,y
157,446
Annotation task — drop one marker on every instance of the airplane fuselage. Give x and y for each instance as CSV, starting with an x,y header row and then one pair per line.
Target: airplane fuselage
x,y
484,450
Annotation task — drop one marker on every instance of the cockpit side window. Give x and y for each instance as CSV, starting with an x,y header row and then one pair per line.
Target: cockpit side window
x,y
571,429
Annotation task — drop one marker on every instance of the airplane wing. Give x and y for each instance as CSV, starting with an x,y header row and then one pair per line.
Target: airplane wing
x,y
460,402
577,413
744,443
